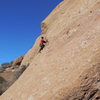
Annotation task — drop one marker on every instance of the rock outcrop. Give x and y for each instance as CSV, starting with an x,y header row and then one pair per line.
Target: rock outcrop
x,y
10,72
69,66
18,61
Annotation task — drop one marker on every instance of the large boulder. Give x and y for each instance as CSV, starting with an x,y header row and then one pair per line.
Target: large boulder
x,y
18,61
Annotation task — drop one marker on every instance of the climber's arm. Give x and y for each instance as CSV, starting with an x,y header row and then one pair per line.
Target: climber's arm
x,y
45,41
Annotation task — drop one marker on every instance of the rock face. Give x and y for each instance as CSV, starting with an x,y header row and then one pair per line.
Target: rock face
x,y
69,66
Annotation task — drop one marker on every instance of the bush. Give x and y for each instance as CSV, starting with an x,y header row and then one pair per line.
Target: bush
x,y
2,69
6,65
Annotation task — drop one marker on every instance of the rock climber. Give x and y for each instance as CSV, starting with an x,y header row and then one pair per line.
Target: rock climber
x,y
42,43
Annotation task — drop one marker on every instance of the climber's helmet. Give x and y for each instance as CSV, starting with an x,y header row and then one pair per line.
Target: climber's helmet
x,y
42,37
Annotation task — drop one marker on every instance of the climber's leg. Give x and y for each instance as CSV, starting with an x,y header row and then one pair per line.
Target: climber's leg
x,y
41,47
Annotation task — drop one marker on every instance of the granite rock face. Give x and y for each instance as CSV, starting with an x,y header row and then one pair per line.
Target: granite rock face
x,y
68,68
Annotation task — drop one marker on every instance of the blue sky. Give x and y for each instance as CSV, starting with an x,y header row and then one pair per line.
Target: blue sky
x,y
20,22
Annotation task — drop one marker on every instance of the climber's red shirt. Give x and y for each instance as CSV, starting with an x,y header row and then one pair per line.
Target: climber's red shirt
x,y
41,41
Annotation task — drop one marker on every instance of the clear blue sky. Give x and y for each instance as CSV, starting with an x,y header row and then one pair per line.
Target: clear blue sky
x,y
20,22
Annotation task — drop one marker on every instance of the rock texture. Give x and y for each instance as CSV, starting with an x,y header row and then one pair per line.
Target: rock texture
x,y
69,66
